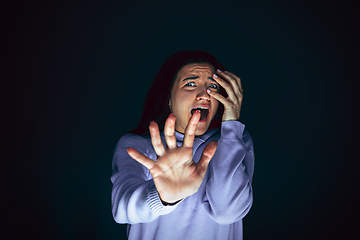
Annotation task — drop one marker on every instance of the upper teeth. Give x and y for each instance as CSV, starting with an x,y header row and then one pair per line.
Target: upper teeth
x,y
201,107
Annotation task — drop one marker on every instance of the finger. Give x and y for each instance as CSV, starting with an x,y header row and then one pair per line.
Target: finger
x,y
227,85
156,139
206,156
141,158
191,129
224,101
233,80
169,131
238,81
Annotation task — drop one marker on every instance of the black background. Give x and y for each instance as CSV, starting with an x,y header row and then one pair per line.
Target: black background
x,y
75,75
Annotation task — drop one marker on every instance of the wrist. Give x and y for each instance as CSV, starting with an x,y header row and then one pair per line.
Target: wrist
x,y
169,203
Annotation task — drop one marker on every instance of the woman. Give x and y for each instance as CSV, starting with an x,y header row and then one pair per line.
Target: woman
x,y
191,178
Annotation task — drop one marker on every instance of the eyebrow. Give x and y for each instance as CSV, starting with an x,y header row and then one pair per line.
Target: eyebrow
x,y
195,77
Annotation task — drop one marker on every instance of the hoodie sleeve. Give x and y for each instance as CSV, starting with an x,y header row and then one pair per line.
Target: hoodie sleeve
x,y
228,195
134,197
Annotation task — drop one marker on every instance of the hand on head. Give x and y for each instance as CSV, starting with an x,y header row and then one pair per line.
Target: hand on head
x,y
232,85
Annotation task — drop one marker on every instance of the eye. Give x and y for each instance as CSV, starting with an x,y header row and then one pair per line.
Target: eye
x,y
214,86
190,84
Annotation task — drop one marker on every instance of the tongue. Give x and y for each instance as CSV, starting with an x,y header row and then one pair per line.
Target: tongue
x,y
203,112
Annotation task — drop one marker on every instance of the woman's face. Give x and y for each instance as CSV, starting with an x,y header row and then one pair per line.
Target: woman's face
x,y
188,94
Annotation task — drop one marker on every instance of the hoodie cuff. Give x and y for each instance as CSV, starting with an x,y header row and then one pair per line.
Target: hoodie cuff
x,y
154,201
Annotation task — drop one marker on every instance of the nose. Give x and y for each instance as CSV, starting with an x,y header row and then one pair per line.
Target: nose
x,y
203,95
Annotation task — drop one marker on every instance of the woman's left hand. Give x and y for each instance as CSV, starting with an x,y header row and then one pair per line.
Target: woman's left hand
x,y
232,85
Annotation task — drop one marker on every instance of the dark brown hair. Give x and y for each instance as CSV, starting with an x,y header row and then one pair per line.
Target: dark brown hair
x,y
156,104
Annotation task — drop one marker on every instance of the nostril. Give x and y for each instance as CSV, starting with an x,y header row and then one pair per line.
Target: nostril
x,y
203,98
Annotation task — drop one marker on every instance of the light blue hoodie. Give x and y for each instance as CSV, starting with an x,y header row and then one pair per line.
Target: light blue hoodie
x,y
215,211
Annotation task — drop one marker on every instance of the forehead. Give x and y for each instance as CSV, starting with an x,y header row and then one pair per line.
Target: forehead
x,y
196,68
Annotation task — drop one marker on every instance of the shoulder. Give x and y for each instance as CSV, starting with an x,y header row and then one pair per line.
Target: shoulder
x,y
131,138
140,143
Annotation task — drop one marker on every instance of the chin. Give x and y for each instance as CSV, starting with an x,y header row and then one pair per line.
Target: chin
x,y
198,133
201,130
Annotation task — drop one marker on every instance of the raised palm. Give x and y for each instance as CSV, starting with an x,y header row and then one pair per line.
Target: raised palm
x,y
175,173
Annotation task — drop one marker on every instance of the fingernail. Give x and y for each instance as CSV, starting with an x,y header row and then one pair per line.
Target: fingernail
x,y
226,71
215,76
218,70
208,91
172,114
197,111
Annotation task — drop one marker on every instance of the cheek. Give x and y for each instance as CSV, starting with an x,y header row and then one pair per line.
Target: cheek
x,y
177,106
216,106
180,100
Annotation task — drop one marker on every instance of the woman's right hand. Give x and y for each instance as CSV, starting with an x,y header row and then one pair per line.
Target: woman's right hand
x,y
175,173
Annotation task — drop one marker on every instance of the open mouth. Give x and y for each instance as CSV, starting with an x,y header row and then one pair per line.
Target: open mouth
x,y
204,112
